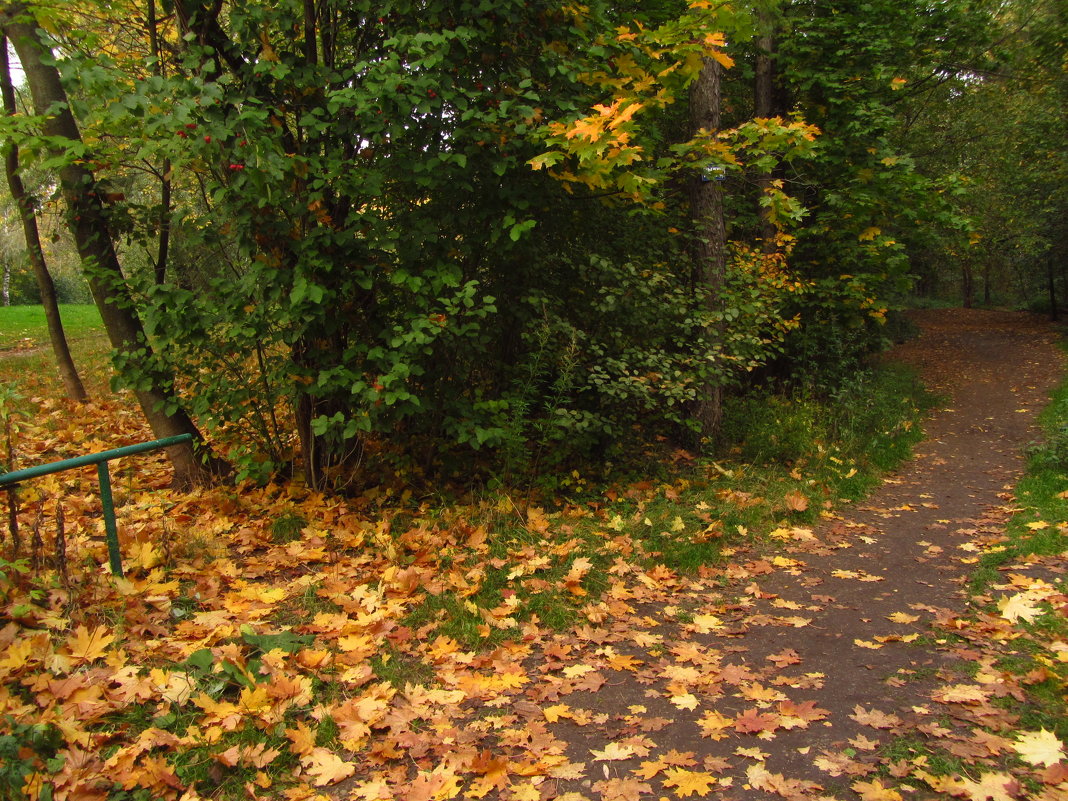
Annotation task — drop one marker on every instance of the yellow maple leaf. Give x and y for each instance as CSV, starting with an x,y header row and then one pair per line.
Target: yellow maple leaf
x,y
302,739
685,701
991,787
689,782
722,58
1039,748
613,752
326,767
554,713
874,791
706,623
714,725
1020,606
902,617
960,694
527,791
869,234
866,644
87,645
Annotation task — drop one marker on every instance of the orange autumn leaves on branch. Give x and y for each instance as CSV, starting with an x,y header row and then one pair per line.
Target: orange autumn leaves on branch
x,y
612,148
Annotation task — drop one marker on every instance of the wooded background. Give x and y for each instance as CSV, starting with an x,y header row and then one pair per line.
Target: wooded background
x,y
505,237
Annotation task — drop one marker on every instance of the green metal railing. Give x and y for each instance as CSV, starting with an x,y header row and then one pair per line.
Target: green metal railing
x,y
10,481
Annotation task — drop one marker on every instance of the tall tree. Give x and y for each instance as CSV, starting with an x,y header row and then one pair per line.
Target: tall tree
x,y
710,231
46,287
89,226
765,106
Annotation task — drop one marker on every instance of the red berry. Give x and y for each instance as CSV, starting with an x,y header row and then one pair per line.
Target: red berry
x,y
237,167
431,93
182,134
190,125
207,138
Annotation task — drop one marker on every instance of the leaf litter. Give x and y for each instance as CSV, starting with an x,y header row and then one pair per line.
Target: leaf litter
x,y
324,665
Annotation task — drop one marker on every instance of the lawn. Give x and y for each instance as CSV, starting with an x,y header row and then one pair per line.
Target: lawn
x,y
23,327
26,359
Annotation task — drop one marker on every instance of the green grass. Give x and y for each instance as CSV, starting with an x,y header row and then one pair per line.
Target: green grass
x,y
25,326
1038,497
26,359
1036,529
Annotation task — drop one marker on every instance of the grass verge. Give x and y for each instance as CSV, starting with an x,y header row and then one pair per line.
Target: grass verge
x,y
25,326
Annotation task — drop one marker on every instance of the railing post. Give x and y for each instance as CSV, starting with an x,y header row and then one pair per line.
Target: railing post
x,y
9,481
110,529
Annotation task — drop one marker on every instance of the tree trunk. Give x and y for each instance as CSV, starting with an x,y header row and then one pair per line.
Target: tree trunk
x,y
5,288
192,464
710,248
159,269
1052,285
764,108
967,285
68,373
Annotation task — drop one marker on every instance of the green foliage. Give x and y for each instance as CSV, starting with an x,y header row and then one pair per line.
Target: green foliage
x,y
841,323
870,419
25,749
454,237
852,69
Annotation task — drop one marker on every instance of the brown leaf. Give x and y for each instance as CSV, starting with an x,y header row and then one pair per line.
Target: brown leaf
x,y
795,501
875,718
624,789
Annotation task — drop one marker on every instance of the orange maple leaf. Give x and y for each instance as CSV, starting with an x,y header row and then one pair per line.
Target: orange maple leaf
x,y
795,501
753,721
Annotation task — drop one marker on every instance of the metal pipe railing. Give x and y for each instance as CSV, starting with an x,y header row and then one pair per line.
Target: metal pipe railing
x,y
10,481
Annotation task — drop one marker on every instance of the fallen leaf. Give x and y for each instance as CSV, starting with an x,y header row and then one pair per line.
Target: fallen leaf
x,y
1039,748
613,752
689,782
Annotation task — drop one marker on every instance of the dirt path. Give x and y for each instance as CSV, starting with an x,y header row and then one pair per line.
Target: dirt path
x,y
829,655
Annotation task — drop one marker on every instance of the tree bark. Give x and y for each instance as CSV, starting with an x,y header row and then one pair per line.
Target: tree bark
x,y
192,464
68,373
710,242
764,108
967,285
1051,285
159,269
